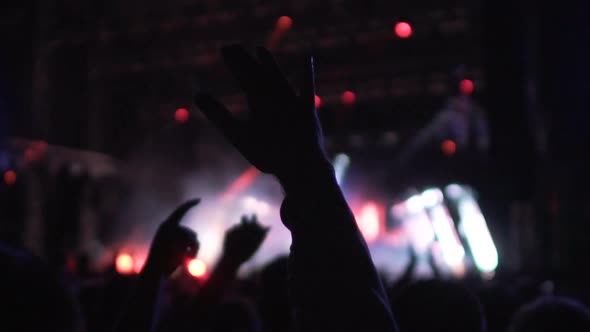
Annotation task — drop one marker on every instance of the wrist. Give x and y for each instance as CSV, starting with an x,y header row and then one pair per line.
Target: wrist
x,y
311,175
149,276
151,268
228,264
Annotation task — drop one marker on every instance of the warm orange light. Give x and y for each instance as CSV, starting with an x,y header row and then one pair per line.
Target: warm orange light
x,y
124,263
368,221
138,265
197,268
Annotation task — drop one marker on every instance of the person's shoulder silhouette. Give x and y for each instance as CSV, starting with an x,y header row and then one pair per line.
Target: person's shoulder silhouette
x,y
437,305
552,313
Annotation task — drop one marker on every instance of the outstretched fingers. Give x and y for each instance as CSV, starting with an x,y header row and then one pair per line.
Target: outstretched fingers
x,y
253,225
220,116
280,85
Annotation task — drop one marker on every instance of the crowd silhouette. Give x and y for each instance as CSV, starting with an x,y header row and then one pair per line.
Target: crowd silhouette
x,y
321,286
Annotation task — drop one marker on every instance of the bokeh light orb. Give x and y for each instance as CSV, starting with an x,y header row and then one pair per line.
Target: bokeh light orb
x,y
125,263
449,147
10,177
197,268
348,98
318,101
403,30
181,115
284,23
466,87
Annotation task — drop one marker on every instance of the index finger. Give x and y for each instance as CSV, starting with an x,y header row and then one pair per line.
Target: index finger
x,y
274,73
220,116
176,216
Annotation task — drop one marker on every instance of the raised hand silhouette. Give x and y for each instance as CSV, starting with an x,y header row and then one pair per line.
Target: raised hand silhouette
x,y
240,243
243,240
173,244
281,134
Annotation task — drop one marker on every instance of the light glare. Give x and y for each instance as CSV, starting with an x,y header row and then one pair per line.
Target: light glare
x,y
197,268
368,221
125,264
479,239
452,249
431,197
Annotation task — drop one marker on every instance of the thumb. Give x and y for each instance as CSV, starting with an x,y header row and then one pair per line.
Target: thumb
x,y
176,216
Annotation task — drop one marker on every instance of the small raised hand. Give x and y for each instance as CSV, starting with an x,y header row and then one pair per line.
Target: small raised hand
x,y
243,240
173,244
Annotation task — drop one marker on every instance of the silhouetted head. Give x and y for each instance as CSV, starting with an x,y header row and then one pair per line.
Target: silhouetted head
x,y
499,304
551,314
437,305
34,297
274,296
235,316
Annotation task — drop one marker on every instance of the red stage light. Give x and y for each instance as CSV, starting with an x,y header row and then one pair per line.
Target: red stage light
x,y
449,147
466,87
241,183
284,23
124,263
181,115
318,101
348,98
403,30
30,154
10,177
197,268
